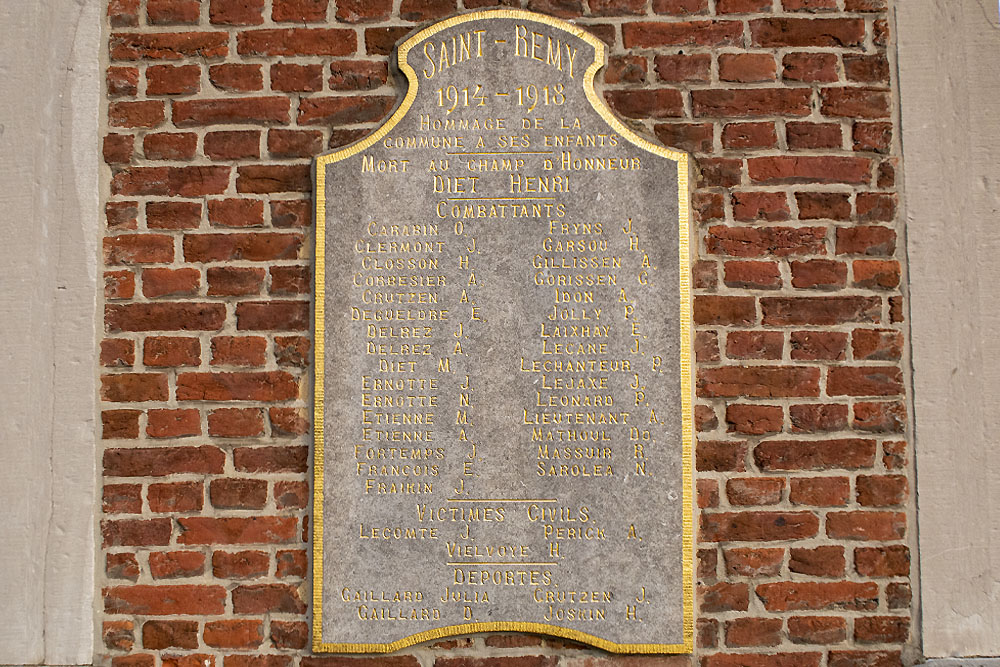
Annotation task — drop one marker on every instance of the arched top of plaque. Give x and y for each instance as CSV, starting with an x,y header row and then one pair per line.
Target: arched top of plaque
x,y
503,143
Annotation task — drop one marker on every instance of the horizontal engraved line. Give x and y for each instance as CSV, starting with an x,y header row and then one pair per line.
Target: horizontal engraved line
x,y
500,198
502,500
513,562
502,153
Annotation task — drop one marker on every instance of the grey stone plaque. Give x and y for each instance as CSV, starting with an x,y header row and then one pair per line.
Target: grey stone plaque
x,y
503,367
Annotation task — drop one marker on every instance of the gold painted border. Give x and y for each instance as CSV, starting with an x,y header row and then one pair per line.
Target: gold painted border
x,y
686,360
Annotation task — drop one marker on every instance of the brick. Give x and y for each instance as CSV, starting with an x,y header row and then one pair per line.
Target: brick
x,y
742,632
758,381
751,419
876,274
237,530
271,459
809,5
751,275
246,494
170,181
292,351
814,596
648,103
294,143
173,79
170,634
817,629
819,274
234,280
682,33
236,12
754,206
882,490
267,598
292,563
188,660
291,213
803,135
273,316
877,344
757,526
290,77
818,345
781,32
824,561
274,178
706,346
291,280
750,102
236,422
236,77
360,11
809,169
164,600
254,247
134,660
138,249
809,67
123,13
160,461
135,532
880,417
820,310
288,421
291,495
173,215
875,137
170,145
174,564
731,310
246,110
381,41
164,351
707,206
122,566
681,68
866,240
425,10
754,345
691,137
296,42
120,424
888,561
248,386
819,491
289,634
762,660
238,351
235,634
723,597
625,69
232,145
898,595
144,114
756,491
134,387
176,497
118,635
117,352
812,418
819,205
168,45
239,565
894,455
865,658
719,172
119,284
756,562
170,282
749,135
720,456
708,493
881,629
122,499
866,525
236,212
299,11
854,103
867,68
173,423
164,317
680,7
742,6
865,381
122,214
747,67
845,453
707,564
117,148
766,241
357,75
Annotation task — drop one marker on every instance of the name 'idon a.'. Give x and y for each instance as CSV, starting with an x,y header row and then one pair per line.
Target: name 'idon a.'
x,y
443,54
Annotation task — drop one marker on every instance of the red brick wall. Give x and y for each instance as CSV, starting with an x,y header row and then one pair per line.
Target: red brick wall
x,y
215,108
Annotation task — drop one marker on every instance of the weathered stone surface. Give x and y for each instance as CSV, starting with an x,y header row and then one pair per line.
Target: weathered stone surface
x,y
503,356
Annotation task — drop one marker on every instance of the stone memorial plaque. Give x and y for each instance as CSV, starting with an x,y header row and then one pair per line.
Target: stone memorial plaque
x,y
503,366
